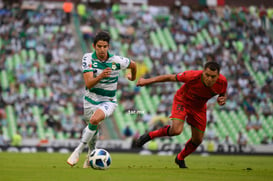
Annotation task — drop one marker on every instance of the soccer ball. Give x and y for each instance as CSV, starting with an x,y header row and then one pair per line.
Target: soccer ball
x,y
100,159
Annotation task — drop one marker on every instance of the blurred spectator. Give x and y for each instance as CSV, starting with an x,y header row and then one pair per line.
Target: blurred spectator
x,y
16,139
68,8
3,140
241,139
210,145
249,109
210,117
210,133
262,15
152,145
265,140
147,117
227,140
249,125
271,141
256,125
127,132
50,122
265,108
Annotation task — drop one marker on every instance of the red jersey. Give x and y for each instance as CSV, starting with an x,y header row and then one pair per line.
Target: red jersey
x,y
194,94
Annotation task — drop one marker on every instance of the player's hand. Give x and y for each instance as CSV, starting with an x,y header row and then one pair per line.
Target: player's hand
x,y
141,82
129,76
221,100
106,72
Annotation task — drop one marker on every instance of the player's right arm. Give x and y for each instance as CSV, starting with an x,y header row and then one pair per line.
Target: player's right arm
x,y
89,79
88,72
160,78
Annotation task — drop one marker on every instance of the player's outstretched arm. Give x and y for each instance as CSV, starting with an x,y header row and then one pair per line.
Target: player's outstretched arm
x,y
132,75
160,78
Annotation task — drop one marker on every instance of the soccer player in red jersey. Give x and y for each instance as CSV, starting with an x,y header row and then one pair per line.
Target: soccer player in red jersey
x,y
189,104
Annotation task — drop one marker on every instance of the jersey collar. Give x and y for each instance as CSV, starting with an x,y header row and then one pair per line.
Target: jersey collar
x,y
202,80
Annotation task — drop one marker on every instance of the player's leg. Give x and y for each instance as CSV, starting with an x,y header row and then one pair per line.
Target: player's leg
x,y
169,130
91,146
89,132
107,108
178,116
198,125
190,146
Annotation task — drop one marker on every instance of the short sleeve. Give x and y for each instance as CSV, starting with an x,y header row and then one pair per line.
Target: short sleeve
x,y
225,84
87,63
123,61
183,76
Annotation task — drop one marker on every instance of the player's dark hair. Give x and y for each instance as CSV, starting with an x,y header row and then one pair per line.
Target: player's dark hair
x,y
102,35
212,66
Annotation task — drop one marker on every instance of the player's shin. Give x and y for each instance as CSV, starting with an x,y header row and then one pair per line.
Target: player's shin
x,y
164,131
87,136
92,143
188,149
91,146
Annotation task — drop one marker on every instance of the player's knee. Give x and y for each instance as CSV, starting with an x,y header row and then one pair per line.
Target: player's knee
x,y
94,121
197,141
175,132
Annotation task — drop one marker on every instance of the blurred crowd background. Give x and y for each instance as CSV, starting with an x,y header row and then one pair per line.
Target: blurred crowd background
x,y
41,79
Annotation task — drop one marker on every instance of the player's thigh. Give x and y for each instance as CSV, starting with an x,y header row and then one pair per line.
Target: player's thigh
x,y
198,121
107,108
88,112
104,110
178,116
96,113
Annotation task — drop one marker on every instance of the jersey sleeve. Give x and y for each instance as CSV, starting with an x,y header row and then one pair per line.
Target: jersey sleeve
x,y
87,63
225,84
123,61
184,76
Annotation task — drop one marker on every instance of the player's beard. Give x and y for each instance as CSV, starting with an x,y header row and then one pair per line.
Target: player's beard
x,y
102,56
209,83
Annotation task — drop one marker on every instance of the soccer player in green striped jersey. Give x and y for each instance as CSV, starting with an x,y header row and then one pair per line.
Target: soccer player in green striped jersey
x,y
100,72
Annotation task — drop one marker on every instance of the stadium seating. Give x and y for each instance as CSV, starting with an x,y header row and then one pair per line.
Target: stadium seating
x,y
227,122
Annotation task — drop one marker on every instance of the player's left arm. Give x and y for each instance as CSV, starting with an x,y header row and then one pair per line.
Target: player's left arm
x,y
132,75
221,100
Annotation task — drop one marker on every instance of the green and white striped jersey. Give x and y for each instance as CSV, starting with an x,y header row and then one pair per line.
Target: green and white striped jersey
x,y
105,90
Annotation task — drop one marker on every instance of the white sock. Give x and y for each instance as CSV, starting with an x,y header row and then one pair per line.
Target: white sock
x,y
86,137
92,142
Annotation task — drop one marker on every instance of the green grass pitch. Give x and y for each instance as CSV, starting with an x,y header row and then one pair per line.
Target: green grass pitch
x,y
133,167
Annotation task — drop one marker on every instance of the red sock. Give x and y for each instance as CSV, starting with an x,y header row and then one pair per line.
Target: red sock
x,y
160,132
188,149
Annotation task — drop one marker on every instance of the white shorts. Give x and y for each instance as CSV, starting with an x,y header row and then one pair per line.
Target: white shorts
x,y
89,109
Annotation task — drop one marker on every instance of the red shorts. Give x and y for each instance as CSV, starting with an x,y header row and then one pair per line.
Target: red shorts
x,y
196,118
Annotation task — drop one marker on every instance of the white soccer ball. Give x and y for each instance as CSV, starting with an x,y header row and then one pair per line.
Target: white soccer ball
x,y
100,159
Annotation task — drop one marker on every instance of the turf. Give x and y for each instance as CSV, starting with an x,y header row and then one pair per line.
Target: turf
x,y
133,167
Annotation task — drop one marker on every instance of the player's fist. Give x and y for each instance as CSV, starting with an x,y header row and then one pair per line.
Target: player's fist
x,y
106,72
129,76
221,100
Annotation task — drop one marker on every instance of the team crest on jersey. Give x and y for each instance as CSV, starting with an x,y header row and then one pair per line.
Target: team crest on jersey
x,y
106,108
95,64
114,66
